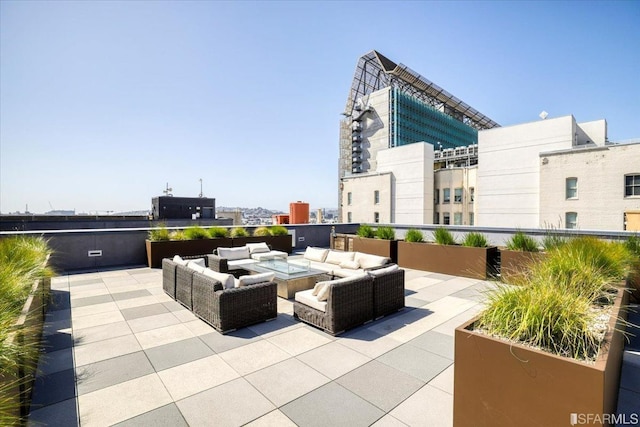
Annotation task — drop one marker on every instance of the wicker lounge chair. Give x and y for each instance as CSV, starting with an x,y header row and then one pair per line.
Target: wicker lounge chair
x,y
184,283
229,309
388,292
349,304
169,277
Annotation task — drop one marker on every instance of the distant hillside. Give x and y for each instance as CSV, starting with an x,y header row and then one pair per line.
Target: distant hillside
x,y
258,212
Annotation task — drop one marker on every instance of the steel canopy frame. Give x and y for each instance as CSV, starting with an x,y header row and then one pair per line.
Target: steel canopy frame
x,y
375,71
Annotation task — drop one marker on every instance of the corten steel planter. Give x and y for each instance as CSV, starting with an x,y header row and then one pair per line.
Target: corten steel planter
x,y
448,259
514,264
380,247
500,383
157,250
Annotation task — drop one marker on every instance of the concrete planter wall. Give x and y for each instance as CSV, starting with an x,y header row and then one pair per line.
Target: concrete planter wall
x,y
448,259
27,330
380,247
500,383
514,264
156,251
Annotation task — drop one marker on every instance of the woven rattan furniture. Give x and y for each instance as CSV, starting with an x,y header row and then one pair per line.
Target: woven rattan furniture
x,y
388,292
229,309
169,277
289,280
350,304
184,283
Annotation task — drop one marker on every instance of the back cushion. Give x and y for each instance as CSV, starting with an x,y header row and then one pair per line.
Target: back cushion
x,y
255,278
199,261
337,257
383,271
231,254
178,260
315,254
369,261
225,279
256,248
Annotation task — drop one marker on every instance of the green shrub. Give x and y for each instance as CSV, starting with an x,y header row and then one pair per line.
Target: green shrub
x,y
365,231
239,232
522,242
475,240
22,262
159,234
196,233
278,230
218,232
542,316
261,232
442,236
178,235
413,235
633,244
385,233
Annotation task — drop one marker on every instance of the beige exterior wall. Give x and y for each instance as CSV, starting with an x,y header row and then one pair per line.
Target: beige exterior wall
x,y
362,207
600,172
411,168
508,185
463,178
375,133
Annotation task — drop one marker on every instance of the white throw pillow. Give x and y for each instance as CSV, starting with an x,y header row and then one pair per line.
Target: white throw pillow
x,y
368,260
231,254
381,271
318,287
225,279
323,295
337,257
256,248
255,278
351,265
199,261
195,266
315,254
178,260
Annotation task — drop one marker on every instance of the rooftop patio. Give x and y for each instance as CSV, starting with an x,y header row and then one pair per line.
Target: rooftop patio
x,y
120,351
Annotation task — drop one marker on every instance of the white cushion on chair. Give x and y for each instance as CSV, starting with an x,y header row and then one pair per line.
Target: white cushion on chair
x,y
306,298
231,254
255,248
315,254
224,278
178,260
255,278
337,257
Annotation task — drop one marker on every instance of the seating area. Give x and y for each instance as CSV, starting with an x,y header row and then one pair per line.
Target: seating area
x,y
119,349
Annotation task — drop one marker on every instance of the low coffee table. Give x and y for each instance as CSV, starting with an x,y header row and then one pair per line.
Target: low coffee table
x,y
291,275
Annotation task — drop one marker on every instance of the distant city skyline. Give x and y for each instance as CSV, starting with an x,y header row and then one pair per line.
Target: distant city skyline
x,y
104,103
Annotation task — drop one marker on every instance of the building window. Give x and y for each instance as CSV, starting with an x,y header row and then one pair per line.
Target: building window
x,y
436,218
457,218
446,220
349,219
471,218
376,197
572,188
631,185
457,195
472,194
446,195
376,217
349,199
436,197
571,219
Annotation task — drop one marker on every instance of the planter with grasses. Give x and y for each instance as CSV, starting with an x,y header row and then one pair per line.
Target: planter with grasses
x,y
473,258
381,242
191,241
516,259
549,348
24,292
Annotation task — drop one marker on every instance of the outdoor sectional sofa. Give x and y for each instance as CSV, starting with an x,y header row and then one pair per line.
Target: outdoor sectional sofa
x,y
219,299
343,264
343,303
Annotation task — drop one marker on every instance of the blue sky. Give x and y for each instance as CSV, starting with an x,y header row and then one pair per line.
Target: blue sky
x,y
103,103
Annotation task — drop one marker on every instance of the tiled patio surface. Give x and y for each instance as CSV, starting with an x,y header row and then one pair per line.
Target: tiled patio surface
x,y
122,352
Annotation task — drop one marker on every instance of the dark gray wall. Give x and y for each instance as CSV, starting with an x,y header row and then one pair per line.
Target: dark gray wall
x,y
126,247
44,222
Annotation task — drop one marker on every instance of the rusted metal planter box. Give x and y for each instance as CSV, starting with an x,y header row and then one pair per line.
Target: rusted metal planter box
x,y
380,247
448,259
500,383
513,264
